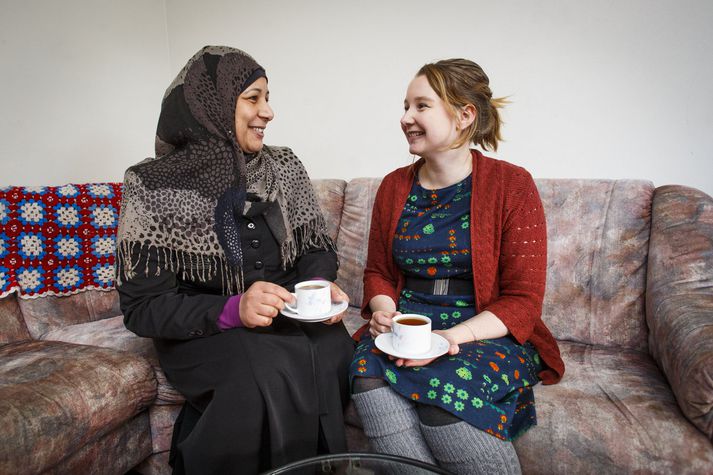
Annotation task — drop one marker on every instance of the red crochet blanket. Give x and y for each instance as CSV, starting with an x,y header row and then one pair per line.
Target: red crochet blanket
x,y
58,240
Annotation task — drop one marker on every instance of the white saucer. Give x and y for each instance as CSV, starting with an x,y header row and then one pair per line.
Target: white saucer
x,y
337,308
439,346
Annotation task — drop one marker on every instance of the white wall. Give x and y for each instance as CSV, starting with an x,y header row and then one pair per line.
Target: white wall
x,y
598,89
81,84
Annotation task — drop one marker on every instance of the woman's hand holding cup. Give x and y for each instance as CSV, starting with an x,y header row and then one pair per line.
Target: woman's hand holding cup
x,y
381,322
338,295
262,302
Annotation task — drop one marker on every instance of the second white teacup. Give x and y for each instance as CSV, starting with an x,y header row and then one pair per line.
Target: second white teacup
x,y
314,298
411,334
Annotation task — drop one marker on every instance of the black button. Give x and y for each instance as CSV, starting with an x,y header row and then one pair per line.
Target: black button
x,y
195,333
259,264
251,225
255,243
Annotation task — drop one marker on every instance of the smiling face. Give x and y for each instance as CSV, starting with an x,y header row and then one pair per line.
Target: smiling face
x,y
428,123
252,113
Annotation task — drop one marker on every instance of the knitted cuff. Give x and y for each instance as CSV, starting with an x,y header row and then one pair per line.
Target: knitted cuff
x,y
230,316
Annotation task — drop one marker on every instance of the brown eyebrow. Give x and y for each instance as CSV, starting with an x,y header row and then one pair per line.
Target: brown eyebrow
x,y
420,98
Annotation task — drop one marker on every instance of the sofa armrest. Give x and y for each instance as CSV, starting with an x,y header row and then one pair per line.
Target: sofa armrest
x,y
679,298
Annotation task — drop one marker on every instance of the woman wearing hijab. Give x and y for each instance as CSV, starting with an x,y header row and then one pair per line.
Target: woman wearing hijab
x,y
213,233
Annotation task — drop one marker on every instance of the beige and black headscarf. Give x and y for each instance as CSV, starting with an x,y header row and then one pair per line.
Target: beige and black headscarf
x,y
184,205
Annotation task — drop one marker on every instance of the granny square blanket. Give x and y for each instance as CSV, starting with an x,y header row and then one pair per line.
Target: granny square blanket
x,y
58,240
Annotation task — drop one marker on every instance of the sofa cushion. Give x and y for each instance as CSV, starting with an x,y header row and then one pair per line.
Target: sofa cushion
x,y
47,313
679,298
111,333
354,234
57,397
12,326
116,452
330,196
162,418
597,245
612,413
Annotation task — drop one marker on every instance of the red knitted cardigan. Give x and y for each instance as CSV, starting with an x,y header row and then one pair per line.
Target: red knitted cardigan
x,y
508,247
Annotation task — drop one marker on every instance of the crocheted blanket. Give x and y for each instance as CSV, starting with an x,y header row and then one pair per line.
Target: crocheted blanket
x,y
58,240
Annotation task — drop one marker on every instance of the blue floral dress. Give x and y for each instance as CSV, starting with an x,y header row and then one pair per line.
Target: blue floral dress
x,y
489,383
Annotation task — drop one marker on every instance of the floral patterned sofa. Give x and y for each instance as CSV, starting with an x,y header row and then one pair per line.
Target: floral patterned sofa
x,y
629,297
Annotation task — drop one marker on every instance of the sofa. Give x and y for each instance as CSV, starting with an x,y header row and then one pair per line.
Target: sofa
x,y
629,298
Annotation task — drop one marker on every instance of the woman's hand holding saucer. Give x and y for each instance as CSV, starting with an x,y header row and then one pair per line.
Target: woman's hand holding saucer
x,y
453,349
262,302
338,295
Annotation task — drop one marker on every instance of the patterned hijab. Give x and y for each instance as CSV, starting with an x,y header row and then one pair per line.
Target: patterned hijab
x,y
182,208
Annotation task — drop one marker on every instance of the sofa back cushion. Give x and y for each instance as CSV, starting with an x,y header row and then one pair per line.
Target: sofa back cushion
x,y
44,314
353,236
12,326
330,196
598,233
598,237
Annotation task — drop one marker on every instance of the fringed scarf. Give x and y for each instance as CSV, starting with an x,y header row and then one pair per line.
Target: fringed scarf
x,y
183,206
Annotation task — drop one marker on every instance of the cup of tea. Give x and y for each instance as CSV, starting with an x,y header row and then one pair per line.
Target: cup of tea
x,y
411,334
314,298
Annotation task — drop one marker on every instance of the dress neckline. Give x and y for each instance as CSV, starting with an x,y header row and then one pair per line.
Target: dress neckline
x,y
465,180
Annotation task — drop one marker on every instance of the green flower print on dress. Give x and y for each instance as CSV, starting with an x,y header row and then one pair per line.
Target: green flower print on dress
x,y
446,399
477,402
465,225
412,197
459,406
464,373
428,229
391,376
456,314
449,388
444,316
445,259
432,260
432,394
461,303
462,394
434,382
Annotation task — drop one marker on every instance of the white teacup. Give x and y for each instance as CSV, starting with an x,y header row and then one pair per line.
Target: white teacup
x,y
314,298
411,334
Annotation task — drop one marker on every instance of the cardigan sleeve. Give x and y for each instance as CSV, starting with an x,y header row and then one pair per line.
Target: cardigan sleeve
x,y
522,264
379,277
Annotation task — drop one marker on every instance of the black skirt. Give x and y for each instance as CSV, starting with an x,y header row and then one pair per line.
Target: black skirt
x,y
258,398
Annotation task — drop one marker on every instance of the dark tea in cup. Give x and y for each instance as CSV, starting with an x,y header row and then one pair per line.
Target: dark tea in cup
x,y
412,321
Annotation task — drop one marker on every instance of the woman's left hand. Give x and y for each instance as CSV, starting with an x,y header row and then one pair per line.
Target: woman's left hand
x,y
338,295
453,349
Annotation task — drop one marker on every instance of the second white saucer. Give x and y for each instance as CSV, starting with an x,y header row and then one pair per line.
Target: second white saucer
x,y
439,346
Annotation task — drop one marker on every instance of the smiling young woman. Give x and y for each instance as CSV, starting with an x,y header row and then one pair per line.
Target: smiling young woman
x,y
460,238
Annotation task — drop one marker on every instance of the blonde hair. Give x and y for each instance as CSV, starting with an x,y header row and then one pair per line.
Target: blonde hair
x,y
459,82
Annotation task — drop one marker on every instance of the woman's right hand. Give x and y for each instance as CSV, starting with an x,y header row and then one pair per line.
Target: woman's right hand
x,y
381,322
262,302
